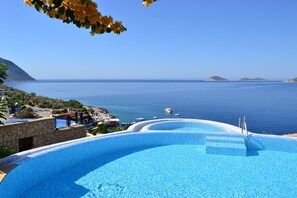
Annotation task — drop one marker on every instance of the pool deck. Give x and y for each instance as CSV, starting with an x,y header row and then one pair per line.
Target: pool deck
x,y
291,135
5,169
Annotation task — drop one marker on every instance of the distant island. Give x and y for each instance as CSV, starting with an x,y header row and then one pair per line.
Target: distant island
x,y
252,79
216,78
219,78
15,73
294,80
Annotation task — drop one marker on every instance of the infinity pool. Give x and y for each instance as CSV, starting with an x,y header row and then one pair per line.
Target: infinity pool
x,y
157,164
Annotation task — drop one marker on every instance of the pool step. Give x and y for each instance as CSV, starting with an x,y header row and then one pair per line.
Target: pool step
x,y
224,145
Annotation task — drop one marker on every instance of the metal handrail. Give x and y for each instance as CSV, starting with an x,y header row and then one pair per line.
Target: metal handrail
x,y
244,126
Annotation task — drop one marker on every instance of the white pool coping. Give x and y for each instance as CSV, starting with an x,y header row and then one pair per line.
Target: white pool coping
x,y
225,127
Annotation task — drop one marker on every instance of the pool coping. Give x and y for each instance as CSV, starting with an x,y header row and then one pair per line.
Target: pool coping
x,y
225,127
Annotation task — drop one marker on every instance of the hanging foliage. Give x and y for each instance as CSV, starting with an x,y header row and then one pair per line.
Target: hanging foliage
x,y
82,13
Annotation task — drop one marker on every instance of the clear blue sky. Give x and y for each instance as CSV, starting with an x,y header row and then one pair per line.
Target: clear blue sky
x,y
190,39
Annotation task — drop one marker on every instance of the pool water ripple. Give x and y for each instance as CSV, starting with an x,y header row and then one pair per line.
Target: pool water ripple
x,y
175,171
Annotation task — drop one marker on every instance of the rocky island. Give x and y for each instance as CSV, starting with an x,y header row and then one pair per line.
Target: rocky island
x,y
294,80
216,78
252,79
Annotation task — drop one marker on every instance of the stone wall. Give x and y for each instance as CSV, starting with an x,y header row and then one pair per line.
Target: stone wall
x,y
42,130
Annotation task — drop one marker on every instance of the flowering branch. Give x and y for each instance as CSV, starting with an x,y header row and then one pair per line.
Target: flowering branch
x,y
82,13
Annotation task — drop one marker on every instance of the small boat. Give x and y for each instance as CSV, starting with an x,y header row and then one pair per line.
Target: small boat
x,y
125,123
168,110
155,117
177,114
140,119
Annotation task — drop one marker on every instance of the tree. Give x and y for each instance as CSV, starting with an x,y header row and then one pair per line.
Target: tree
x,y
82,13
3,76
102,128
3,104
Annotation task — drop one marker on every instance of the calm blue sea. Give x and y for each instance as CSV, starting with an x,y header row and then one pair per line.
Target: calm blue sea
x,y
269,107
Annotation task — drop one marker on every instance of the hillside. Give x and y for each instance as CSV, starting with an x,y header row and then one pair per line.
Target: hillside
x,y
15,73
216,78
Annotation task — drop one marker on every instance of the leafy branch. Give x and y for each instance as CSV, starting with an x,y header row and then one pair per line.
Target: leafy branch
x,y
82,13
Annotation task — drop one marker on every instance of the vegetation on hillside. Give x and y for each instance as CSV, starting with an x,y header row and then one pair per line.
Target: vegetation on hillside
x,y
21,98
3,74
4,152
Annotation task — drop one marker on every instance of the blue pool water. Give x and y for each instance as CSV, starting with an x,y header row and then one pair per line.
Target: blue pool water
x,y
175,171
185,126
59,122
16,121
62,123
270,107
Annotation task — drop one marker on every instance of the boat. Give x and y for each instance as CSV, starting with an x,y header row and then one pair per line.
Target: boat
x,y
140,119
177,114
155,117
168,110
125,123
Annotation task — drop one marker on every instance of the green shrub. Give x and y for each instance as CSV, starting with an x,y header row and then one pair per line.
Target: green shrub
x,y
4,152
73,104
93,132
46,105
58,105
116,129
102,128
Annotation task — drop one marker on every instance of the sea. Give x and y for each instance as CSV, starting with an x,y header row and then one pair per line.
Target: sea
x,y
269,107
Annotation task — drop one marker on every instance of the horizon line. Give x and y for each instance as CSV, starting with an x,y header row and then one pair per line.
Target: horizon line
x,y
181,80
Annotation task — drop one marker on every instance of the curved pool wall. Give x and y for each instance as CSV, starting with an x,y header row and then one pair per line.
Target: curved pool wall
x,y
183,125
38,164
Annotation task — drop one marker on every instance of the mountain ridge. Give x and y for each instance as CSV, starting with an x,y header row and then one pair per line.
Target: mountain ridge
x,y
15,73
